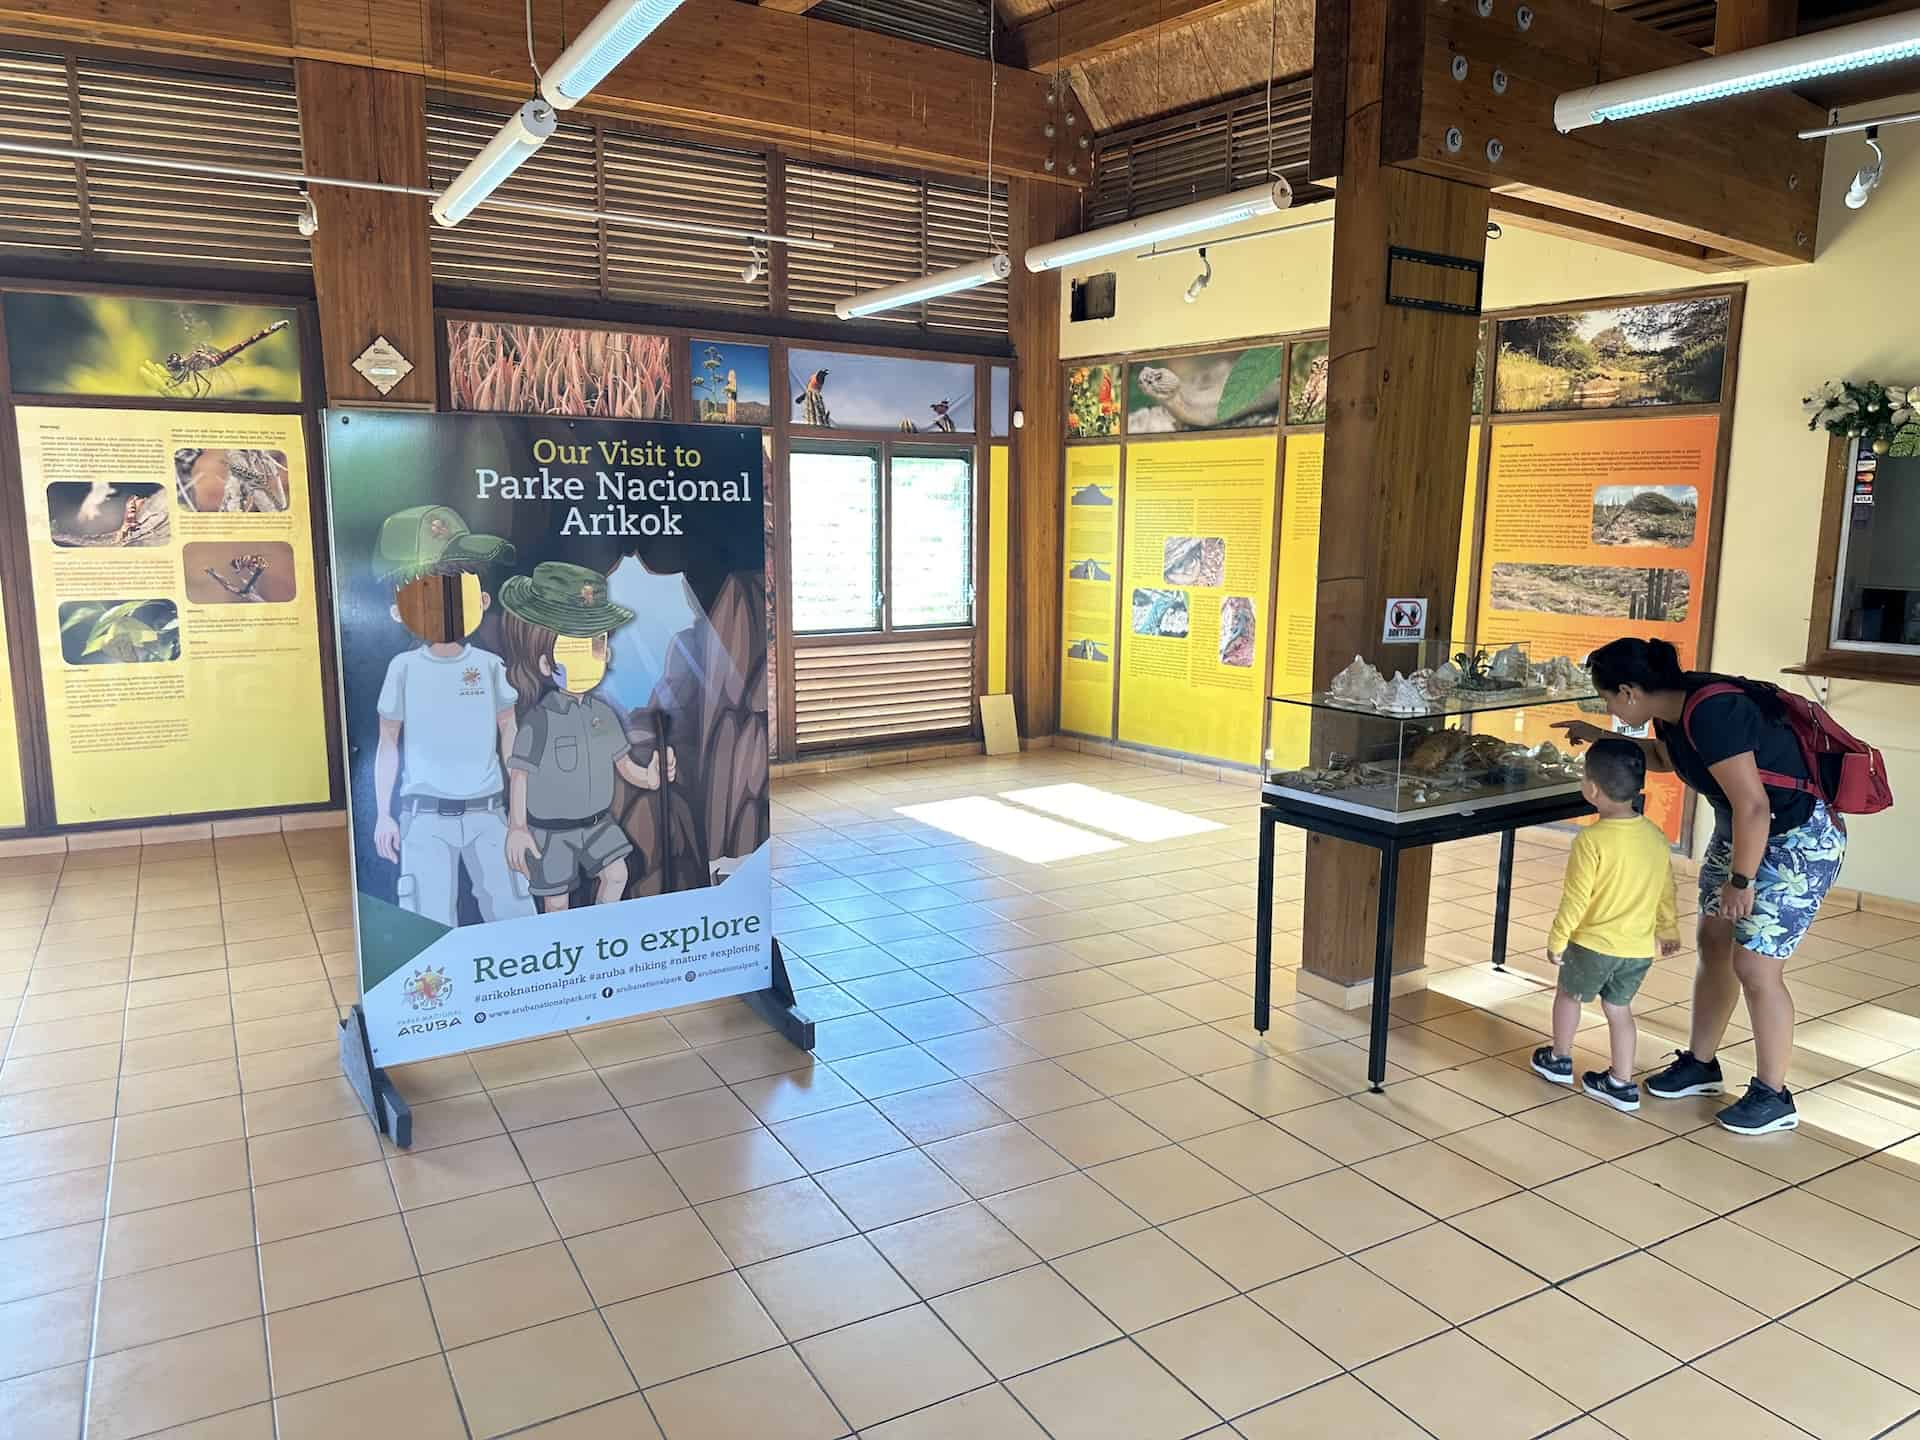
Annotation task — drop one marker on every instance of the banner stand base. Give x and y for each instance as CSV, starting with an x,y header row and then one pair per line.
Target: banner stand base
x,y
389,1111
777,1007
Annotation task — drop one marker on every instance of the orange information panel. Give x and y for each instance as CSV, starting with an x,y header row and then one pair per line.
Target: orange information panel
x,y
1597,529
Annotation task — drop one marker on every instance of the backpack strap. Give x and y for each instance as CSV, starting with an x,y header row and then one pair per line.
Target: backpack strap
x,y
1771,779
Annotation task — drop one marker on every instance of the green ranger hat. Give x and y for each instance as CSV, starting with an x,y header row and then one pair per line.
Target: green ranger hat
x,y
433,540
566,599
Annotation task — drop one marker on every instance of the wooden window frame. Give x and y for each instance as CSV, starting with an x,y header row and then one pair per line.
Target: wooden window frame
x,y
1825,659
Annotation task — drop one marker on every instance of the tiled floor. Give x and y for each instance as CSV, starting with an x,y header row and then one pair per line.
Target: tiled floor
x,y
1040,1178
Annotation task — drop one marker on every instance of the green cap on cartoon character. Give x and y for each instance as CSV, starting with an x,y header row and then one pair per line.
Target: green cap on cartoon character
x,y
566,599
433,540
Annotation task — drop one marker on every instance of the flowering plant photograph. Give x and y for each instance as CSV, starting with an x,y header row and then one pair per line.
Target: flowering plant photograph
x,y
1884,417
1093,402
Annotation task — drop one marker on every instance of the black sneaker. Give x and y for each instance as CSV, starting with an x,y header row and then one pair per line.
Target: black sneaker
x,y
1760,1111
1602,1086
1549,1066
1686,1076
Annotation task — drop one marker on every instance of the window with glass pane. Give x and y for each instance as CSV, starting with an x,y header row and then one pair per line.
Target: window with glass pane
x,y
932,539
1877,590
834,519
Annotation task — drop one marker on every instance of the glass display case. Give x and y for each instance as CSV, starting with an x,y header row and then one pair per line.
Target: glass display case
x,y
1473,733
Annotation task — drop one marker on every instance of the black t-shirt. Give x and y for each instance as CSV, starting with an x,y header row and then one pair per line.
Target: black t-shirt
x,y
1729,725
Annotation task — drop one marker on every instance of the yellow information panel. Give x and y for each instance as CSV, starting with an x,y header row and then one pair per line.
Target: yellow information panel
x,y
173,583
1087,607
13,800
1199,527
998,502
1299,577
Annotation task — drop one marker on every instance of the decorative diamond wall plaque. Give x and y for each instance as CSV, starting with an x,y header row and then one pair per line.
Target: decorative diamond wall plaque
x,y
382,366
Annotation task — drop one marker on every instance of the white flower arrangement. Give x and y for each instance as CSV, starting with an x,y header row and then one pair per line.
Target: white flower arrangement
x,y
1886,417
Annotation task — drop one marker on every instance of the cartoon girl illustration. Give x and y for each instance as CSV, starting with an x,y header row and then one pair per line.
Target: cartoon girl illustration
x,y
570,743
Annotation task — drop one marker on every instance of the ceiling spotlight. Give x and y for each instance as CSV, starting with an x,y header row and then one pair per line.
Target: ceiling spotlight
x,y
755,267
308,220
1494,232
1202,280
1867,178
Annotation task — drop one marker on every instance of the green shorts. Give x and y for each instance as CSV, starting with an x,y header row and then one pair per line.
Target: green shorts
x,y
1586,973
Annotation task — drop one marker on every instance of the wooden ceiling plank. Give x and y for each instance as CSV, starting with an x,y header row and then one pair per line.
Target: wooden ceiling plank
x,y
1095,28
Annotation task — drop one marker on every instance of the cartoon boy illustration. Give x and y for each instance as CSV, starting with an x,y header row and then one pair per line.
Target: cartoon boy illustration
x,y
570,743
446,723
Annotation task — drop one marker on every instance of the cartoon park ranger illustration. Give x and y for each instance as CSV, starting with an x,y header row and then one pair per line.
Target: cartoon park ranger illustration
x,y
446,723
570,743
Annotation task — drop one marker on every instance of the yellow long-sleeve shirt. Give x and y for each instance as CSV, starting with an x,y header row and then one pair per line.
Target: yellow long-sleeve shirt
x,y
1617,898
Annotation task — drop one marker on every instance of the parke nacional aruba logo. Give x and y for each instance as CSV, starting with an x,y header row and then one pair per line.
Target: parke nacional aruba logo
x,y
427,989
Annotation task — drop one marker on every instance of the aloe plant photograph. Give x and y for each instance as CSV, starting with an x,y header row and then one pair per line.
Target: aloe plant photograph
x,y
559,370
119,632
1228,390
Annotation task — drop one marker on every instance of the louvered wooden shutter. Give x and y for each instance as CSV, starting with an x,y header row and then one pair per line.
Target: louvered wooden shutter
x,y
960,229
39,199
875,226
683,182
851,694
949,24
505,249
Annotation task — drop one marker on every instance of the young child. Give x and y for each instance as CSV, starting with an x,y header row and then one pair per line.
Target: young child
x,y
1616,903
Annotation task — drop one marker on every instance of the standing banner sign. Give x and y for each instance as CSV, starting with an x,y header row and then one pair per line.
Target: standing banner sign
x,y
553,649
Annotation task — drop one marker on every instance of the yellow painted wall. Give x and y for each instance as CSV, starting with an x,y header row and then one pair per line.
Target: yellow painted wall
x,y
1850,313
997,616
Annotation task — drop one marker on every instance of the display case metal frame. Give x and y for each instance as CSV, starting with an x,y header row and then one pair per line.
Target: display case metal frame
x,y
1280,806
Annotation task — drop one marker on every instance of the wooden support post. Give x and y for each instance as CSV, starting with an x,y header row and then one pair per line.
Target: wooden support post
x,y
1399,402
1743,24
1038,212
372,266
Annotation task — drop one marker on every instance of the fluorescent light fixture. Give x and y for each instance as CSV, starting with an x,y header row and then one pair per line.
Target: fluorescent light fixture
x,y
526,131
611,36
1884,41
1201,215
928,287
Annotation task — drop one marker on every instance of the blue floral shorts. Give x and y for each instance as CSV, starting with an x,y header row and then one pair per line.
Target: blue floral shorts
x,y
1795,875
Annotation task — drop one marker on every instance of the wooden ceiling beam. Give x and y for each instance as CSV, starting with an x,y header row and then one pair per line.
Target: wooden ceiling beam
x,y
789,7
1743,24
1093,28
747,72
1731,178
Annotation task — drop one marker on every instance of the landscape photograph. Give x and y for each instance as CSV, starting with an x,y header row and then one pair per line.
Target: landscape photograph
x,y
1650,515
1672,352
1618,591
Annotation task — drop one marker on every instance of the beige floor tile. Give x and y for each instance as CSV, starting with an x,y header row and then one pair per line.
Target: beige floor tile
x,y
626,1418
1752,1269
889,1189
646,1255
1259,1155
47,1260
462,1231
608,1195
1184,1109
176,1233
181,1128
880,1368
45,1404
641,1081
1823,1231
1683,1316
1435,1178
1876,1191
1551,1241
1119,1069
1348,1130
1519,1152
174,1381
1116,1392
1700,1175
1235,1356
841,1136
554,1098
1449,1273
334,1145
1427,1107
328,1263
1346,1210
1064,1214
1271,1087
690,1119
954,1248
1574,1351
153,1305
1142,1279
1163,1185
415,1399
825,1287
53,1200
1867,1326
578,1144
1823,1393
454,1172
989,1411
333,1339
1348,1312
49,1152
44,1331
1900,1280
297,1105
1687,1401
1096,1133
1249,1243
1624,1204
509,1292
179,1175
1024,1320
692,1327
1791,1155
1341,1407
988,1162
730,1164
766,1397
534,1375
1459,1390
940,1112
778,1220
321,1202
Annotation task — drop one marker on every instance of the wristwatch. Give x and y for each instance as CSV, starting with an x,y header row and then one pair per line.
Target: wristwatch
x,y
1739,881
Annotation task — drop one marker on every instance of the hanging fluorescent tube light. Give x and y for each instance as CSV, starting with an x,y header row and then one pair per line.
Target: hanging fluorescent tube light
x,y
1884,41
526,131
928,287
611,36
1267,199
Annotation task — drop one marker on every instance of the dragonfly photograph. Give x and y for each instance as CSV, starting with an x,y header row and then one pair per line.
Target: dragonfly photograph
x,y
111,346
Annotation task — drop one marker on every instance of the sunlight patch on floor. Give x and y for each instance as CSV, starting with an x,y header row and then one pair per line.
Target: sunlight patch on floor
x,y
1116,814
1009,829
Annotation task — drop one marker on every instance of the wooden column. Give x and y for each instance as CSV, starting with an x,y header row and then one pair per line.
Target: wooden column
x,y
1743,24
1399,403
372,267
1038,212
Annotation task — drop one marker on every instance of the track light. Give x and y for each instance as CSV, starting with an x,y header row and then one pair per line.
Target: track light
x,y
1201,215
1867,178
308,220
1887,40
526,131
929,287
611,36
755,267
1203,279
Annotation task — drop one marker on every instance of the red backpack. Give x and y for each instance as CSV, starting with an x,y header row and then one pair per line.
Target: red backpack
x,y
1850,775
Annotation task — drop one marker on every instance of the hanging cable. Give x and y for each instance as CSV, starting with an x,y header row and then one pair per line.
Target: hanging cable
x,y
1273,40
993,105
537,76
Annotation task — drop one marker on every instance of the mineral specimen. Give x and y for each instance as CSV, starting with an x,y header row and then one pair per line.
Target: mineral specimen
x,y
1509,664
1359,684
1403,696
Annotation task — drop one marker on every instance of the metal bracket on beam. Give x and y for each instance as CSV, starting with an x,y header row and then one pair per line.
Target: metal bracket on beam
x,y
1416,264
